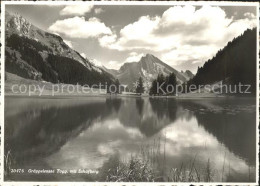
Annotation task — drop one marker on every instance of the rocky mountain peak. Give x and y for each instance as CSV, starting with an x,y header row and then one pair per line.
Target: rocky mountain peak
x,y
148,68
189,73
41,48
19,24
148,57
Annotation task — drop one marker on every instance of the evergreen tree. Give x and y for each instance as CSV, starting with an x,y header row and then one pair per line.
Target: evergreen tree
x,y
160,83
140,86
153,89
108,88
235,63
113,87
117,85
171,81
54,68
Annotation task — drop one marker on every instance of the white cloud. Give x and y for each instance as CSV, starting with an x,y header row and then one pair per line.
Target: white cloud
x,y
144,26
76,9
98,10
96,62
182,34
134,57
114,65
189,56
108,40
249,15
69,43
78,27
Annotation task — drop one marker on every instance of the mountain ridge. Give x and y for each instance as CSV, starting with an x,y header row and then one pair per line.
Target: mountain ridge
x,y
234,64
148,67
36,54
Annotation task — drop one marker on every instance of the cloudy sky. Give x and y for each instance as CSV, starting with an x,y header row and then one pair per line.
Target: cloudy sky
x,y
184,37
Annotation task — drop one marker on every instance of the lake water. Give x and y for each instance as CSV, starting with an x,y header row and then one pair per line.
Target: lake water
x,y
82,133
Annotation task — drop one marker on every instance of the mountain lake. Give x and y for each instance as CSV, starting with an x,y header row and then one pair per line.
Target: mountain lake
x,y
173,134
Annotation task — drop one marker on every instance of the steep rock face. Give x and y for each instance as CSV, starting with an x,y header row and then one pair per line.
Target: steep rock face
x,y
148,68
16,24
35,54
187,74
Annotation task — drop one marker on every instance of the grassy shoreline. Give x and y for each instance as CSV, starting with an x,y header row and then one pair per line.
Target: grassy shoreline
x,y
66,95
49,91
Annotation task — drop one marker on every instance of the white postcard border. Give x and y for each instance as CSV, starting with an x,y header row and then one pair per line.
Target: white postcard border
x,y
154,3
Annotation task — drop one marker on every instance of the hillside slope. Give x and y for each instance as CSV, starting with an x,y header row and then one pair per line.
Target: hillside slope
x,y
235,63
35,54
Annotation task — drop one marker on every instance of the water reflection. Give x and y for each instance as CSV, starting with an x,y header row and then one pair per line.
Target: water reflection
x,y
84,132
139,105
38,127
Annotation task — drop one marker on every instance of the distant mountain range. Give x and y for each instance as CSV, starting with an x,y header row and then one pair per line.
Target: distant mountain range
x,y
148,68
35,54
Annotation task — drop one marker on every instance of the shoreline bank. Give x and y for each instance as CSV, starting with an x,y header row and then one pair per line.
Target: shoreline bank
x,y
65,95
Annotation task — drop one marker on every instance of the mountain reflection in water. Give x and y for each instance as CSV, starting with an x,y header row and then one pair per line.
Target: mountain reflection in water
x,y
74,133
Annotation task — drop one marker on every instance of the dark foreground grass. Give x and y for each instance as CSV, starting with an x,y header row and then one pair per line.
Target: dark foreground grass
x,y
139,170
149,165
